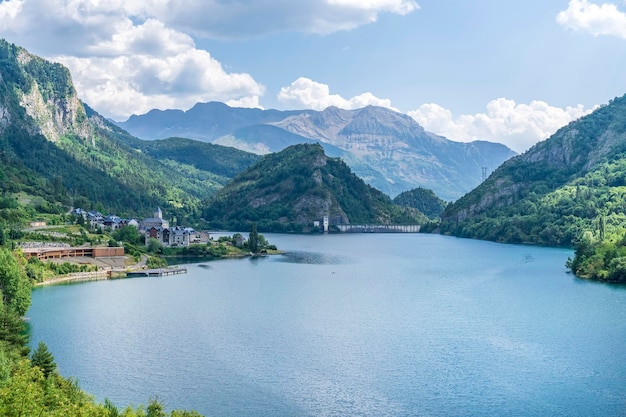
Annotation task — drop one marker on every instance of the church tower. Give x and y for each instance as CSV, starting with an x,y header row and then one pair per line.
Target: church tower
x,y
158,214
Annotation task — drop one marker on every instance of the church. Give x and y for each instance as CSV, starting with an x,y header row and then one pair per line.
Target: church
x,y
155,221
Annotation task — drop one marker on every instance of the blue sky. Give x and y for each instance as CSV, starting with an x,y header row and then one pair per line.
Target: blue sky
x,y
510,72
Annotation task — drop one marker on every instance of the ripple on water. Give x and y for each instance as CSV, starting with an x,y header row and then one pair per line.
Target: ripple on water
x,y
312,258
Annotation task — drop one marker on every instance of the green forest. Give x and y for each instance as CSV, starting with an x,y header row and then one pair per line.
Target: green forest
x,y
290,189
424,200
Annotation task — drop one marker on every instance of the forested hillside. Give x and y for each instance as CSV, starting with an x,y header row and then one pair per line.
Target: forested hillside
x,y
289,190
423,200
221,161
556,191
58,153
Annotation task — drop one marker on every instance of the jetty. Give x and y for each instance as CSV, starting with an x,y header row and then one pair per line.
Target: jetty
x,y
159,272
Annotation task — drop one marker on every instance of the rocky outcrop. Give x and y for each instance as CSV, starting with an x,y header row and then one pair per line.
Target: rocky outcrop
x,y
50,99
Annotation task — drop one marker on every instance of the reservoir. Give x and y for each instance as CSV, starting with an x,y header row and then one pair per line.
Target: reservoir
x,y
349,325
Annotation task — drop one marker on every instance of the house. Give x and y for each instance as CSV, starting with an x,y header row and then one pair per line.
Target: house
x,y
112,222
79,212
171,236
239,240
200,237
132,222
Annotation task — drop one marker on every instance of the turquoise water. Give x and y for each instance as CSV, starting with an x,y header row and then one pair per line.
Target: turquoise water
x,y
350,325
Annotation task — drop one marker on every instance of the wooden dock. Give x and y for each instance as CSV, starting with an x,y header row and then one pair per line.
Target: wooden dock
x,y
160,272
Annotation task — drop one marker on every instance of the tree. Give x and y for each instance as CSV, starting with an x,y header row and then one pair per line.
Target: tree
x,y
155,408
13,330
602,226
111,409
154,246
43,359
14,284
128,234
253,239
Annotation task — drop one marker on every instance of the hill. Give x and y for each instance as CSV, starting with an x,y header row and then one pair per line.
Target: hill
x,y
562,187
289,190
223,163
389,150
423,200
56,152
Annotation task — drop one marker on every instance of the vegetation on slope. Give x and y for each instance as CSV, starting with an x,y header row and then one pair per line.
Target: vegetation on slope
x,y
422,199
223,162
554,192
290,189
55,148
601,255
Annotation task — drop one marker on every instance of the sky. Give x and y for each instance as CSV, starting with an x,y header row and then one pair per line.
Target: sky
x,y
504,71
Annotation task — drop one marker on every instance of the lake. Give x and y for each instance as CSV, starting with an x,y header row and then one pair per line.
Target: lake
x,y
350,325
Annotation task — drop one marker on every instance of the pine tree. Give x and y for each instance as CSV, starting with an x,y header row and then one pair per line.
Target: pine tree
x,y
43,359
253,239
602,227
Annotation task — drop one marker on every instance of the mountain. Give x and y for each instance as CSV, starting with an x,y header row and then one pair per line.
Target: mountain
x,y
566,185
204,121
60,153
389,150
289,190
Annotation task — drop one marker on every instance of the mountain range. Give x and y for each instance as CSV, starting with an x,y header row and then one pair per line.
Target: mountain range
x,y
388,149
57,151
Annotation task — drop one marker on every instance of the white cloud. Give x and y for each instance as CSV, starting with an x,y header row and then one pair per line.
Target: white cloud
x,y
249,102
129,56
220,19
9,10
127,84
122,65
519,126
304,93
603,19
150,66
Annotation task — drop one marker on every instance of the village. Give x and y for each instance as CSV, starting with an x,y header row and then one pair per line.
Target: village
x,y
155,227
119,259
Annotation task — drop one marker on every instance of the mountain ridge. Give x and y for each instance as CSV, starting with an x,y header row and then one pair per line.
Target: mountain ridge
x,y
389,150
556,190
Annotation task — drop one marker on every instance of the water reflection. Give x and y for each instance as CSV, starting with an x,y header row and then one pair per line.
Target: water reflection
x,y
312,258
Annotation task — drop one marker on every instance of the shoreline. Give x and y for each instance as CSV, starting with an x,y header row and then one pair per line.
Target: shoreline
x,y
107,274
75,277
